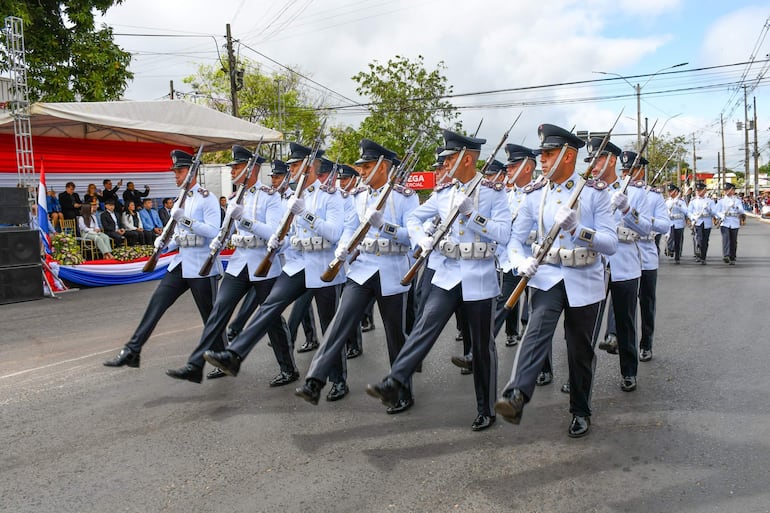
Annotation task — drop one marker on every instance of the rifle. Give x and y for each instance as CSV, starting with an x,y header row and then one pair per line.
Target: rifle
x,y
442,230
228,222
168,230
635,163
288,217
398,174
553,233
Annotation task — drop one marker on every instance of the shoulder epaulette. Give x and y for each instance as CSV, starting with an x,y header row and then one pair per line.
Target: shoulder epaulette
x,y
496,186
638,183
203,192
599,185
656,190
268,190
359,190
330,189
442,186
533,186
406,191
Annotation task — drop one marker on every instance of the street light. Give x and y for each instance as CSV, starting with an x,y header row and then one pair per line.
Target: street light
x,y
638,90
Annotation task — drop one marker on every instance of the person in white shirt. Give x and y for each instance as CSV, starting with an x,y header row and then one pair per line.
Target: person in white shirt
x,y
729,210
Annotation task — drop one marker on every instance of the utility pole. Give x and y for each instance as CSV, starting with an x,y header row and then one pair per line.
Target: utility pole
x,y
720,174
746,142
171,89
232,71
638,116
756,155
694,160
724,171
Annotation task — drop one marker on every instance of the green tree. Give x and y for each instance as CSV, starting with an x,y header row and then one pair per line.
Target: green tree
x,y
67,57
276,101
659,150
403,97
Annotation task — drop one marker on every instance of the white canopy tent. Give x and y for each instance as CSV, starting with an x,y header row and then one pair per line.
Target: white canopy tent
x,y
167,121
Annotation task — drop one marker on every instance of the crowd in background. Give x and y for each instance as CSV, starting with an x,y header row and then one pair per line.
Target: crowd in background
x,y
103,215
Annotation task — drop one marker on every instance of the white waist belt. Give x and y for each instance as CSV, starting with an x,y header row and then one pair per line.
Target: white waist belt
x,y
731,214
382,247
468,250
247,241
310,244
189,240
676,216
576,257
627,235
646,238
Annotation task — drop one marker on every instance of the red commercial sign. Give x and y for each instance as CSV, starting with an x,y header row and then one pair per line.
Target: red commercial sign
x,y
422,180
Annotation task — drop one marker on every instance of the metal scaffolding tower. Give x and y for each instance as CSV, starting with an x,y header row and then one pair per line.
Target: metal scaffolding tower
x,y
19,102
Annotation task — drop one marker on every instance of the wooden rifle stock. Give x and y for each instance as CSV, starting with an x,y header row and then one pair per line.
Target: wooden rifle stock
x,y
229,222
553,233
168,229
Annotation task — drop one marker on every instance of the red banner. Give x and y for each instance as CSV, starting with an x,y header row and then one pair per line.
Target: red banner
x,y
422,180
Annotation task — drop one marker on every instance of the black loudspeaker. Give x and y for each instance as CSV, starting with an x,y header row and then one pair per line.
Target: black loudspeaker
x,y
21,283
19,247
13,206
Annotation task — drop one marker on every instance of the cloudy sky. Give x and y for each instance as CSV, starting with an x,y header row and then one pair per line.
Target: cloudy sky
x,y
490,45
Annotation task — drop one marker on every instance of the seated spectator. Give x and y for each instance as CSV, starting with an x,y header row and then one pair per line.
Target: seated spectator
x,y
113,226
54,209
92,194
131,194
111,193
165,212
89,229
70,201
133,224
150,219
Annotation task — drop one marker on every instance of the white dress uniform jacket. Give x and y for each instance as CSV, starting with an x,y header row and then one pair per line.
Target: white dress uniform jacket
x,y
700,211
262,211
488,223
328,220
626,263
729,210
657,213
393,237
677,212
596,231
203,209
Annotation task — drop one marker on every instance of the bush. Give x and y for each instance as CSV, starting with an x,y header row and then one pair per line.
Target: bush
x,y
124,253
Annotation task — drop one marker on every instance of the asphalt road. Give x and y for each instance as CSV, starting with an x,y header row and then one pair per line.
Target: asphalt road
x,y
80,437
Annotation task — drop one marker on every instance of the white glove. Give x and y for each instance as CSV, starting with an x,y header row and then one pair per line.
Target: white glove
x,y
566,218
528,268
619,201
177,214
464,204
374,217
296,205
430,229
158,243
215,245
273,243
426,243
234,210
341,253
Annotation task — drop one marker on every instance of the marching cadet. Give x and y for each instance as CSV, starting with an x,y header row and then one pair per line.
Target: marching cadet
x,y
570,279
278,184
632,223
729,210
375,273
677,213
257,218
197,223
520,166
347,176
316,229
701,211
657,213
465,278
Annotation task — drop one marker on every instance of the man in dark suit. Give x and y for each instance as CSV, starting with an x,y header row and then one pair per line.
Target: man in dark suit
x,y
131,194
113,226
165,211
70,201
111,193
